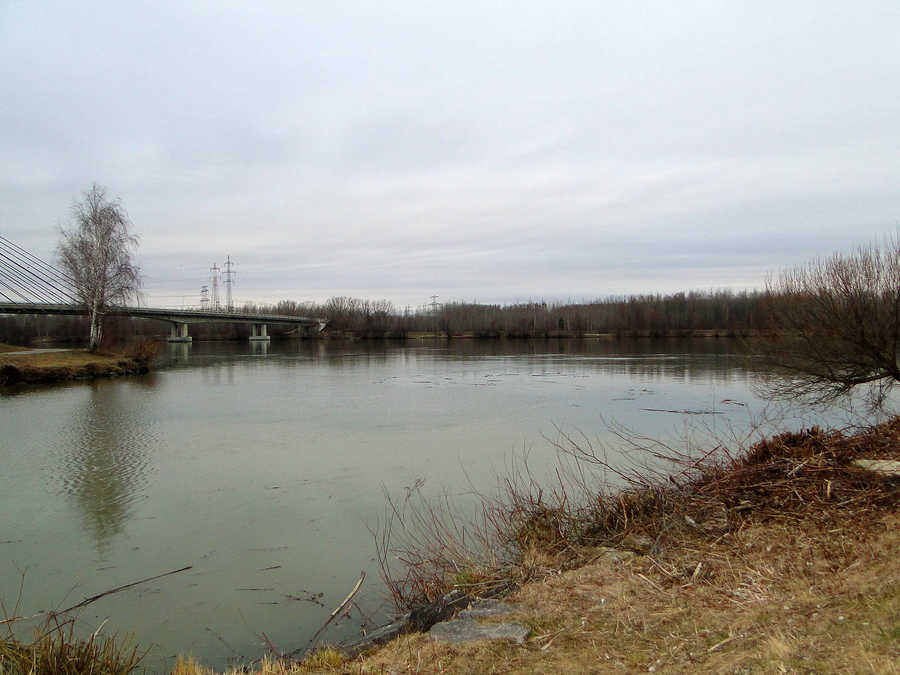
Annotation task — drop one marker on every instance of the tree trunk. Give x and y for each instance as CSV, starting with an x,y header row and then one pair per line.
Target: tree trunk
x,y
96,329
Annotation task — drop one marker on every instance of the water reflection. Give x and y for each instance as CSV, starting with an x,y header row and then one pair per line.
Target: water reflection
x,y
688,358
178,352
259,347
105,457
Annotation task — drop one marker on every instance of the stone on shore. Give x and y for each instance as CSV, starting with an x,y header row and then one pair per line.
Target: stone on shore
x,y
468,630
886,467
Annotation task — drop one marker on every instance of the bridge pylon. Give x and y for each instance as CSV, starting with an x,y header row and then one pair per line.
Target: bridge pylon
x,y
258,333
179,333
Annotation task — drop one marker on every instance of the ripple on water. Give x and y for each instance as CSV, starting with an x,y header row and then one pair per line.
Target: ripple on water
x,y
103,459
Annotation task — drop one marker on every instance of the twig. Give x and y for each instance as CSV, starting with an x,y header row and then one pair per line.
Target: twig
x,y
552,638
337,610
652,583
94,598
721,644
797,468
270,645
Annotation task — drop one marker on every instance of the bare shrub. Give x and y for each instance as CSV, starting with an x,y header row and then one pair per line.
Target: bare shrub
x,y
835,325
427,548
142,351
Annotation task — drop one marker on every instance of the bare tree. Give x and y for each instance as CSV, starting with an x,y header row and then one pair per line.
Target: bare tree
x,y
835,325
97,253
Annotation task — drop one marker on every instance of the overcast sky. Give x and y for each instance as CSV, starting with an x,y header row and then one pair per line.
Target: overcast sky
x,y
490,151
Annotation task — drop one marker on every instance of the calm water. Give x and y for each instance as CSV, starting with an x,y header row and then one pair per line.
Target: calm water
x,y
235,458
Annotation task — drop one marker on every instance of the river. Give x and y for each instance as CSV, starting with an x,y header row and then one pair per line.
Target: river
x,y
264,467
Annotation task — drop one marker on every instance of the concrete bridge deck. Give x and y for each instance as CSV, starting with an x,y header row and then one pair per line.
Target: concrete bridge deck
x,y
179,318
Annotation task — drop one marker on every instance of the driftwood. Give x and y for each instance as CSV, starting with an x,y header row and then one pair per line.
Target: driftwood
x,y
94,598
337,610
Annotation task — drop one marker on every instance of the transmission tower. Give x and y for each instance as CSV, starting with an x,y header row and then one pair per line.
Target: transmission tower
x,y
228,274
215,288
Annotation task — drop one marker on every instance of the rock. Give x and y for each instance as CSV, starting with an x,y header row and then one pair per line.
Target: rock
x,y
886,467
469,630
486,608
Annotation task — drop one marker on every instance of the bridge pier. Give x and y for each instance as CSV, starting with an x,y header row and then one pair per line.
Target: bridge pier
x,y
179,333
258,333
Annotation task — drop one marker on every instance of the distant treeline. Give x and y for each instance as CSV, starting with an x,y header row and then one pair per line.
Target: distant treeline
x,y
724,311
654,315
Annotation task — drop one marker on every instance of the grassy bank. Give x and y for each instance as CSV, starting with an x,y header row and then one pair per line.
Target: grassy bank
x,y
780,558
22,366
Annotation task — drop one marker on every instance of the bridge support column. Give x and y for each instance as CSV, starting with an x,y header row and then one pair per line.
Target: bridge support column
x,y
258,332
179,333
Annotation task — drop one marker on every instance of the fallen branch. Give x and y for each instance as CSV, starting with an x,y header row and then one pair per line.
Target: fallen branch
x,y
337,611
94,598
684,412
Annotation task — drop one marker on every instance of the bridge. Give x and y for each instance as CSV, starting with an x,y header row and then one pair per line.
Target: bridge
x,y
28,285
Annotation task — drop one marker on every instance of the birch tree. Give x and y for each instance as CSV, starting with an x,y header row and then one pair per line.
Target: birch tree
x,y
96,251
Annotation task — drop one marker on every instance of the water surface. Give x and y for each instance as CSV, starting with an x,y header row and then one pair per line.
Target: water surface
x,y
264,467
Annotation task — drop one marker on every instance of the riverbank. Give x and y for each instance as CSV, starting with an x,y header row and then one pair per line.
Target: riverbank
x,y
781,559
46,366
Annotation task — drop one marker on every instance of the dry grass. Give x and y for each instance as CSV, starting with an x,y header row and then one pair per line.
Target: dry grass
x,y
5,348
329,660
57,366
770,597
75,358
56,650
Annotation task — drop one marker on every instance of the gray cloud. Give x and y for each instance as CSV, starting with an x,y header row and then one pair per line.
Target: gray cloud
x,y
474,150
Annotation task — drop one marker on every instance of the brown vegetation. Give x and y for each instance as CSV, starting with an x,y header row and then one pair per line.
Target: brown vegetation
x,y
61,365
56,650
791,477
780,558
835,325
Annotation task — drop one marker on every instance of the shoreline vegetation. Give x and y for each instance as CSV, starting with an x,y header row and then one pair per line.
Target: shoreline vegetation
x,y
776,557
20,365
699,313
